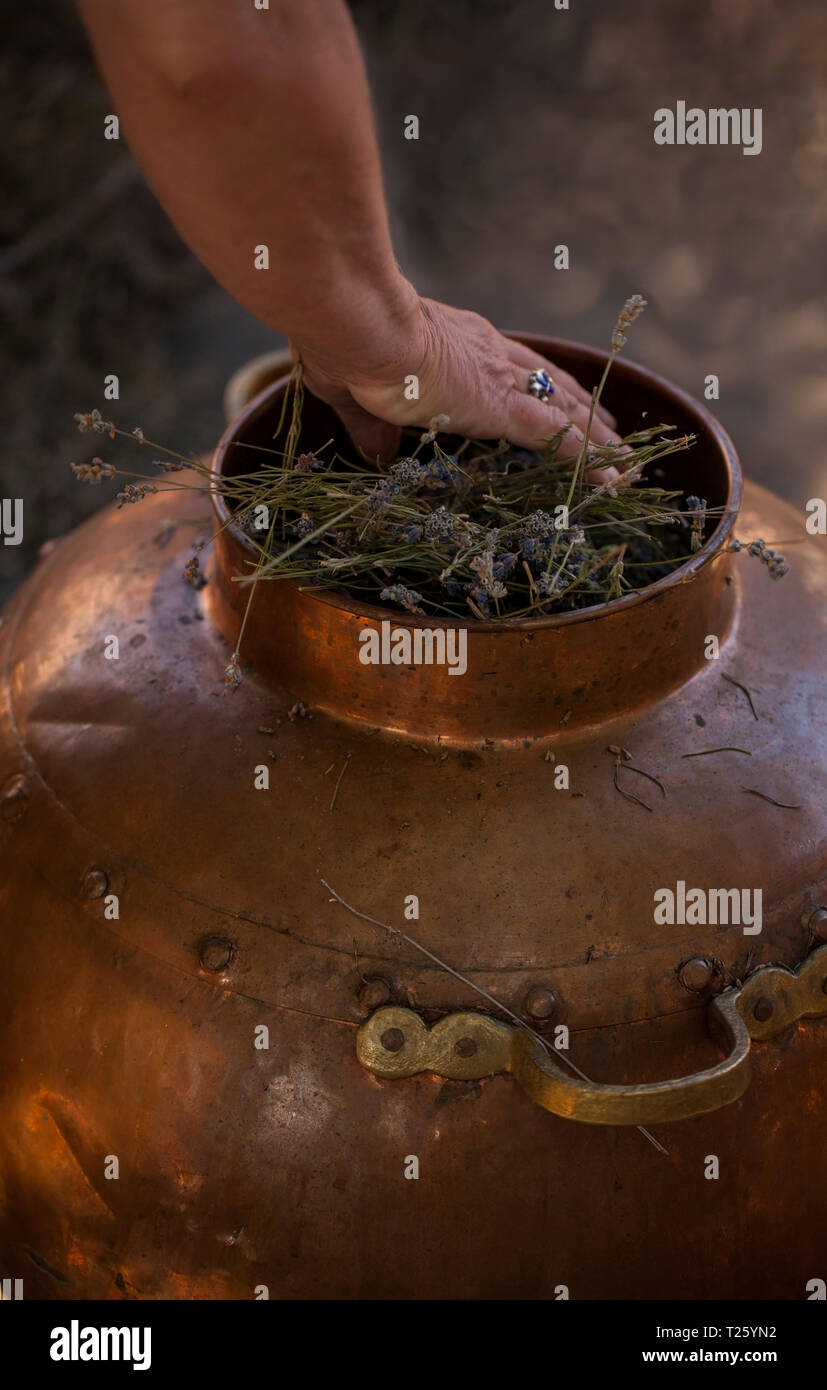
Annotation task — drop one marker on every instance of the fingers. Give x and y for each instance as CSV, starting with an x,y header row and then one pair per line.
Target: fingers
x,y
566,385
579,416
529,422
378,441
566,409
601,476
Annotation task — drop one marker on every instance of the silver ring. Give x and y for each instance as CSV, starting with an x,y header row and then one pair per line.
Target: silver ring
x,y
540,384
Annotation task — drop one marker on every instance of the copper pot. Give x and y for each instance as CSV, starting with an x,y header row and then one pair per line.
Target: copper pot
x,y
154,1147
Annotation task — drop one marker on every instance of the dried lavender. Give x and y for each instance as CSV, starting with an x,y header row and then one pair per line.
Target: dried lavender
x,y
696,507
192,573
455,527
232,673
92,472
401,597
475,531
776,564
630,311
93,423
134,492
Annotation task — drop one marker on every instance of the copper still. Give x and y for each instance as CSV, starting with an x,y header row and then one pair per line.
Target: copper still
x,y
165,919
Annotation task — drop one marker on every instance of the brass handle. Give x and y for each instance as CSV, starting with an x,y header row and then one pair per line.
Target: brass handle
x,y
395,1043
543,1078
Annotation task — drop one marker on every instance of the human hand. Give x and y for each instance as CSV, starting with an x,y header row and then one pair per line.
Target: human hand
x,y
464,368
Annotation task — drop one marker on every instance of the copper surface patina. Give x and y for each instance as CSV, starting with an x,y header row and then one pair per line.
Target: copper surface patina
x,y
131,781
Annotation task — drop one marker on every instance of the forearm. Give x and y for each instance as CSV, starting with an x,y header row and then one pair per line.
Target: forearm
x,y
254,127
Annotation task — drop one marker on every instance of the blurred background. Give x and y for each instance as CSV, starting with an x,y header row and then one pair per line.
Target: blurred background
x,y
536,128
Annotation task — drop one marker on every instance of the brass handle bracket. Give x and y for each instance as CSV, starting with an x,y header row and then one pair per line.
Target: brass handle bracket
x,y
395,1043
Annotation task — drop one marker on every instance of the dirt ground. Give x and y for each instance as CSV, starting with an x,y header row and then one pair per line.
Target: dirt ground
x,y
536,128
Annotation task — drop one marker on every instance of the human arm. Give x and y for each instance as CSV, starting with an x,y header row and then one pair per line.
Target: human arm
x,y
254,128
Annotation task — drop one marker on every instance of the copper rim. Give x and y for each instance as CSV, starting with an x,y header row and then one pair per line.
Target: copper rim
x,y
707,425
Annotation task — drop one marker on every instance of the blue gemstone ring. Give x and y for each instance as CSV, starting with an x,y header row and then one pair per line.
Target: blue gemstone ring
x,y
541,385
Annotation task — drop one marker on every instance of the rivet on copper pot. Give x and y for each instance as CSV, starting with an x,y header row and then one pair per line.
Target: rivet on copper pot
x,y
215,953
763,1010
393,1039
465,1047
14,799
374,993
95,882
696,974
818,924
539,1003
